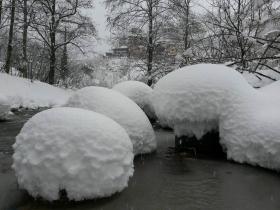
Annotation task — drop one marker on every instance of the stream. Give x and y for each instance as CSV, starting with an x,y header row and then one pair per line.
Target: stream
x,y
164,180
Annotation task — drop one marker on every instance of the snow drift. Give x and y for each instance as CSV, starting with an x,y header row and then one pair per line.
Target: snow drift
x,y
22,92
82,152
121,109
197,99
138,92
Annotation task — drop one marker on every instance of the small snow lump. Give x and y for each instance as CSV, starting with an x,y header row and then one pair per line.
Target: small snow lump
x,y
121,109
86,154
138,92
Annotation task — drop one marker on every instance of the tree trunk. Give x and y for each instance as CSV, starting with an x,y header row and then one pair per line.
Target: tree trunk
x,y
1,5
11,36
64,59
187,28
24,38
150,47
53,43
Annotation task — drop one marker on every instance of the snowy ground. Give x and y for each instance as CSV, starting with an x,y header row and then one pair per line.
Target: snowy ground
x,y
20,92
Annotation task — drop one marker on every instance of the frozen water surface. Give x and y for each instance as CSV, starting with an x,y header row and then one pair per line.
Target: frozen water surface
x,y
163,180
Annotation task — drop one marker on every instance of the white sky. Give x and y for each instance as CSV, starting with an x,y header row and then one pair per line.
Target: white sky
x,y
98,15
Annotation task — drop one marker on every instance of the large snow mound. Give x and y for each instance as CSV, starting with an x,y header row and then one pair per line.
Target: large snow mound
x,y
121,109
138,92
272,91
200,98
191,99
22,92
250,133
82,152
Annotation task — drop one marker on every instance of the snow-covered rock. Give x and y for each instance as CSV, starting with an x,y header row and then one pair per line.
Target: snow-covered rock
x,y
121,109
140,93
200,98
191,99
4,108
82,152
250,132
22,92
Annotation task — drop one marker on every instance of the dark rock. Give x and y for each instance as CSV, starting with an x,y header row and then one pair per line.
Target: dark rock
x,y
208,145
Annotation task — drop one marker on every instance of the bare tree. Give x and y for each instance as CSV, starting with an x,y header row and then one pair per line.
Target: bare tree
x,y
143,14
181,10
50,21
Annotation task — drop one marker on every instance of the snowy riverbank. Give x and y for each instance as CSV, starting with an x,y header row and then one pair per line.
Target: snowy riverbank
x,y
19,92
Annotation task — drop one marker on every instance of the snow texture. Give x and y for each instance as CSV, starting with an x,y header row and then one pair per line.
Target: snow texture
x,y
121,109
191,99
258,81
138,92
196,99
82,152
22,92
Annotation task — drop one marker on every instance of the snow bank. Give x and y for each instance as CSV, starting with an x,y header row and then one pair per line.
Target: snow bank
x,y
22,92
121,109
138,92
82,152
191,99
200,98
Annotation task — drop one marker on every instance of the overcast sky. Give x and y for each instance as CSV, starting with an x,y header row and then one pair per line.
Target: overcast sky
x,y
98,15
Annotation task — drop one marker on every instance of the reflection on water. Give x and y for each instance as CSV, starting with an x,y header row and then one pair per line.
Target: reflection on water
x,y
162,181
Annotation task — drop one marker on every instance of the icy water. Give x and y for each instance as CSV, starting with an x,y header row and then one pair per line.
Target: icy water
x,y
162,181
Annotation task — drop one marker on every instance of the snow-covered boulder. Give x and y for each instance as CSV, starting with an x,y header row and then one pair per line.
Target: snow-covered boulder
x,y
191,99
4,108
121,109
138,92
82,152
197,99
250,131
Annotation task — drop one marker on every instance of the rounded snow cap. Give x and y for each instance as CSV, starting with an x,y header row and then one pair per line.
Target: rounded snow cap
x,y
121,109
191,99
138,92
83,153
